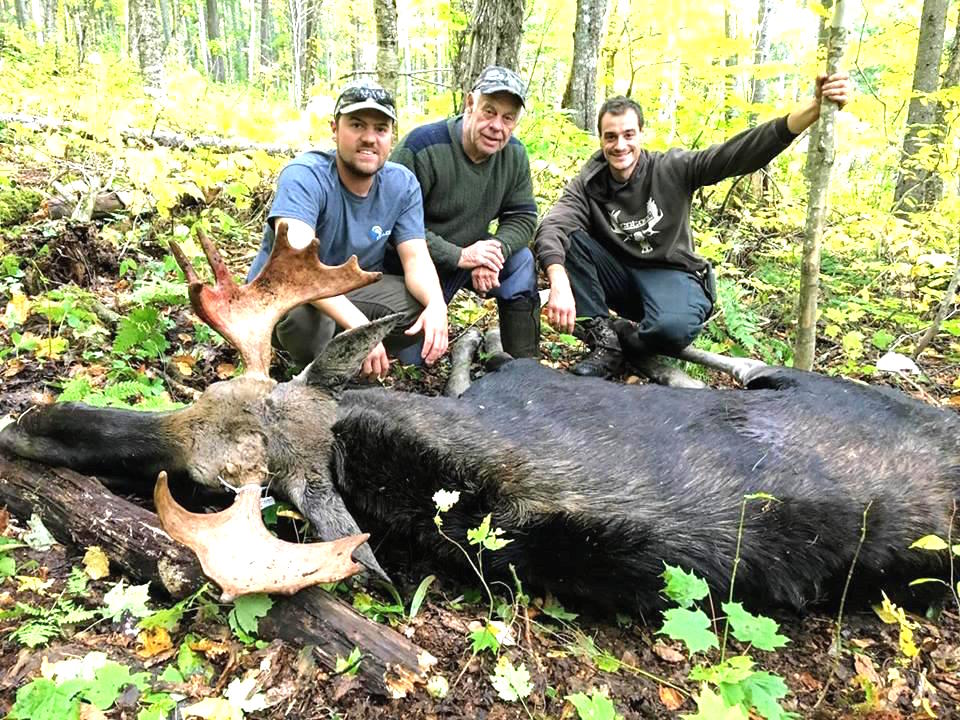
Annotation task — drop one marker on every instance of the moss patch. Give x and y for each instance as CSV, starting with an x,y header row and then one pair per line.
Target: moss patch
x,y
17,204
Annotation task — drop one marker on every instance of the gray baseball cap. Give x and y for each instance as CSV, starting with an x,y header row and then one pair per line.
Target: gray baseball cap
x,y
365,95
500,79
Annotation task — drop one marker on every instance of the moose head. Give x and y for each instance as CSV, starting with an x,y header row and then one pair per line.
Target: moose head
x,y
247,433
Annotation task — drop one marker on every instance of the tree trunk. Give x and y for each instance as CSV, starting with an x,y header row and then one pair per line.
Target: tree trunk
x,y
940,129
916,188
202,37
266,33
493,37
253,43
135,542
36,13
819,165
50,20
165,21
218,68
580,96
146,40
730,61
21,14
761,51
313,47
388,59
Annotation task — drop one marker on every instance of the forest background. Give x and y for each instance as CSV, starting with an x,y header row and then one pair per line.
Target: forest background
x,y
267,72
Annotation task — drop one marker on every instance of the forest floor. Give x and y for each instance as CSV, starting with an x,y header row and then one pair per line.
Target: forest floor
x,y
644,673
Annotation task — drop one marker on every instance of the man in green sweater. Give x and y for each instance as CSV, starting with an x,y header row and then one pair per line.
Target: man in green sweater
x,y
472,172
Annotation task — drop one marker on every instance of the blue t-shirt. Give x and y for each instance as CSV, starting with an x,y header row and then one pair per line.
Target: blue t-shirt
x,y
309,189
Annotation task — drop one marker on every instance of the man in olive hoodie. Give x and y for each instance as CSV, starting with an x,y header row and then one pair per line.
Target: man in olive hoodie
x,y
619,237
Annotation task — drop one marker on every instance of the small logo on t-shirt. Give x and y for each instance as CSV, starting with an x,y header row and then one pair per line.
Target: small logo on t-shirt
x,y
377,233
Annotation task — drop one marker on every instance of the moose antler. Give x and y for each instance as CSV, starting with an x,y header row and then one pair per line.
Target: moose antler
x,y
237,551
245,315
234,547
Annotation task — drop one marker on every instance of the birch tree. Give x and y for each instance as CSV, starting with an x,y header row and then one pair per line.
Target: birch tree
x,y
146,40
917,188
819,164
580,96
215,45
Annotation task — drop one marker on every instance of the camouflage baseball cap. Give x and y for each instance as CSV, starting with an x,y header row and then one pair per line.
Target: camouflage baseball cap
x,y
500,79
365,95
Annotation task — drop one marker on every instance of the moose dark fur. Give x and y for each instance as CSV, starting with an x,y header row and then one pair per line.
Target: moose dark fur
x,y
597,484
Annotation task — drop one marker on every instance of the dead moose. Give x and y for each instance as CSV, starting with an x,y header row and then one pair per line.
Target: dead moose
x,y
597,484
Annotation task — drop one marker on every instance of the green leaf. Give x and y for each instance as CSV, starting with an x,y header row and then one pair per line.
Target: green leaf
x,y
191,663
484,639
486,537
8,566
731,671
420,595
511,683
171,675
596,706
350,665
763,692
77,581
247,611
43,700
691,627
711,706
121,599
557,612
683,588
38,537
107,683
930,542
758,630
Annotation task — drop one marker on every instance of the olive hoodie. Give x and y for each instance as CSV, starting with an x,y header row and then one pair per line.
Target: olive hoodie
x,y
646,221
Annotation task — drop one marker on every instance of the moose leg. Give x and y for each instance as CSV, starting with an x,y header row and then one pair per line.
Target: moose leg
x,y
461,356
134,541
740,369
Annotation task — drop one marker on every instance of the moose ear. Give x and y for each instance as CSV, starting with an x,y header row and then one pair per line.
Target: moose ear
x,y
342,357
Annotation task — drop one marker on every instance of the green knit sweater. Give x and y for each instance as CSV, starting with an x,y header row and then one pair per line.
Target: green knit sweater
x,y
461,198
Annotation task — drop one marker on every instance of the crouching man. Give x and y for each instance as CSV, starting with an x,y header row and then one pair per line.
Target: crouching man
x,y
472,172
357,203
619,237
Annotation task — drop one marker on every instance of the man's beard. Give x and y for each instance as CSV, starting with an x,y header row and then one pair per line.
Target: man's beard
x,y
358,171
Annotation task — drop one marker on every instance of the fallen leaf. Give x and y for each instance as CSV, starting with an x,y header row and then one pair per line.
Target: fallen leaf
x,y
213,709
14,366
210,648
670,698
667,653
226,370
809,681
862,643
153,641
91,712
865,667
96,563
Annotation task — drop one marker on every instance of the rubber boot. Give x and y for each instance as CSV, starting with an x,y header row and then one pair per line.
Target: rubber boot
x,y
606,357
520,326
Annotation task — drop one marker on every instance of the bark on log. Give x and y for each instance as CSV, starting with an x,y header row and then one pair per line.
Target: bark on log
x,y
79,511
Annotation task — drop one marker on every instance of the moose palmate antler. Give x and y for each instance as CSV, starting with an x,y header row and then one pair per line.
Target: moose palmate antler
x,y
245,315
234,547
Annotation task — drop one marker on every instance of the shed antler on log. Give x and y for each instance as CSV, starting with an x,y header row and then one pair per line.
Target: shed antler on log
x,y
234,547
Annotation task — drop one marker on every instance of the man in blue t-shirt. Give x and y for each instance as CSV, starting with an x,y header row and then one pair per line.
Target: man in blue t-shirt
x,y
356,203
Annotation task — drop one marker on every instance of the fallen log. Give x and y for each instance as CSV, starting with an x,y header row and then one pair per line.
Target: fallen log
x,y
79,511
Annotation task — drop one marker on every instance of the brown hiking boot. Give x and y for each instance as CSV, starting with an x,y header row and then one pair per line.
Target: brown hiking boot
x,y
606,357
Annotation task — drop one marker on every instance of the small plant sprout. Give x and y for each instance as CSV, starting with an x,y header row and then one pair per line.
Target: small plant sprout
x,y
893,615
444,500
595,706
512,683
935,543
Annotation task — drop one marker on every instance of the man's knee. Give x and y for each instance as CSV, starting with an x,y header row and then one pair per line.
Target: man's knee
x,y
518,277
672,333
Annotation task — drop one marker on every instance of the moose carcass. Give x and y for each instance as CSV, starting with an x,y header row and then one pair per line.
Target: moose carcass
x,y
597,484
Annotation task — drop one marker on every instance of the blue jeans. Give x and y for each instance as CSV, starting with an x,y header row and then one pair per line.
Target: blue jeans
x,y
518,279
670,306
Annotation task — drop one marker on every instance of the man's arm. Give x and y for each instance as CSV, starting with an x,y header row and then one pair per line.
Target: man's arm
x,y
518,213
837,88
571,213
752,149
420,277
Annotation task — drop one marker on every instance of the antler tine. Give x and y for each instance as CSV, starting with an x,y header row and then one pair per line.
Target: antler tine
x,y
245,315
221,274
238,553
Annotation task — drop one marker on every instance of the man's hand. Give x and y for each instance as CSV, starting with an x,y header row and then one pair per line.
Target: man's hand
x,y
561,309
836,87
484,279
433,323
483,253
376,364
